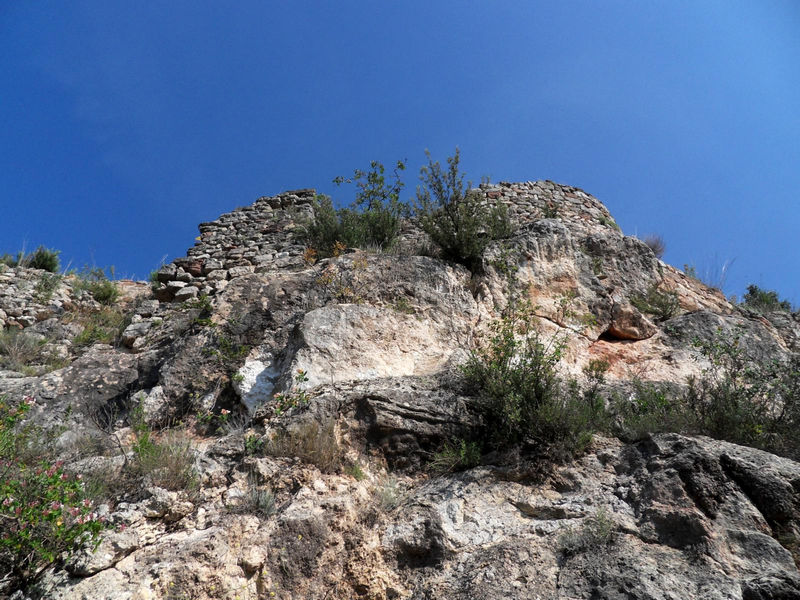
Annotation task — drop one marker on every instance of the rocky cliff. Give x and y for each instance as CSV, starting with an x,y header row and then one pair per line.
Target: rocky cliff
x,y
297,407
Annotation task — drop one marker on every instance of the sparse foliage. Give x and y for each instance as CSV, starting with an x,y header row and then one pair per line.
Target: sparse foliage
x,y
764,300
312,442
372,220
656,244
457,220
456,456
662,305
101,288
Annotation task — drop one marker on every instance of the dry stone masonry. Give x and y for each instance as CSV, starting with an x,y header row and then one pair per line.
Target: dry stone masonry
x,y
264,236
251,239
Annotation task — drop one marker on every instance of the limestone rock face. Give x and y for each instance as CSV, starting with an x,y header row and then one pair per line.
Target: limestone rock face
x,y
301,403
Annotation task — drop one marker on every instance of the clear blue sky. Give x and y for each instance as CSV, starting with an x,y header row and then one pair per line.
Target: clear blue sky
x,y
125,124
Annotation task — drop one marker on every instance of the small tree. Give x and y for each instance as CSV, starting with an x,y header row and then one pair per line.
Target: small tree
x,y
457,221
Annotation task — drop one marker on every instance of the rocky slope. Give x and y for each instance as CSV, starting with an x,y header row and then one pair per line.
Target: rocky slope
x,y
309,398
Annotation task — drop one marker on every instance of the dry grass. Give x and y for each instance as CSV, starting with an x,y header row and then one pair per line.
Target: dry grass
x,y
311,442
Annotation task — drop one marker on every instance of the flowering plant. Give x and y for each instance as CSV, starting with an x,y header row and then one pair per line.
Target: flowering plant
x,y
44,511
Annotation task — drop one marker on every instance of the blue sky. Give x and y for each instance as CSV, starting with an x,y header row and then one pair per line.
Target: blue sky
x,y
123,125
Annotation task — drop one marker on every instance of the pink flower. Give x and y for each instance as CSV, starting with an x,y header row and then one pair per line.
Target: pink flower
x,y
86,502
55,505
29,400
225,411
8,501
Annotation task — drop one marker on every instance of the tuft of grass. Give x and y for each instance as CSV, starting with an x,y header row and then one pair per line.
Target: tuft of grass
x,y
656,244
311,442
257,500
389,493
46,286
104,326
596,532
458,455
19,349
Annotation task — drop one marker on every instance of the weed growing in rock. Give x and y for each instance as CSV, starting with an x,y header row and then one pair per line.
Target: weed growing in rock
x,y
458,455
101,288
662,305
657,244
458,221
45,287
104,325
339,281
257,499
596,532
389,493
295,396
253,445
608,222
167,463
45,514
355,471
19,350
41,258
311,442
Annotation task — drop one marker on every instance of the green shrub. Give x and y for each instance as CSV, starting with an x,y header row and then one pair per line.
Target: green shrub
x,y
457,221
521,395
98,285
651,408
663,305
43,258
738,397
745,400
10,260
515,372
765,300
372,220
168,462
45,514
456,456
46,286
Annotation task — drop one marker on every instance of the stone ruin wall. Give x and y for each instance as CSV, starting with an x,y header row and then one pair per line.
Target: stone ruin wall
x,y
266,235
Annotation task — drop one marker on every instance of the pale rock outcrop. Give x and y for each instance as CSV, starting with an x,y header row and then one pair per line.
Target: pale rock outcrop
x,y
380,338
